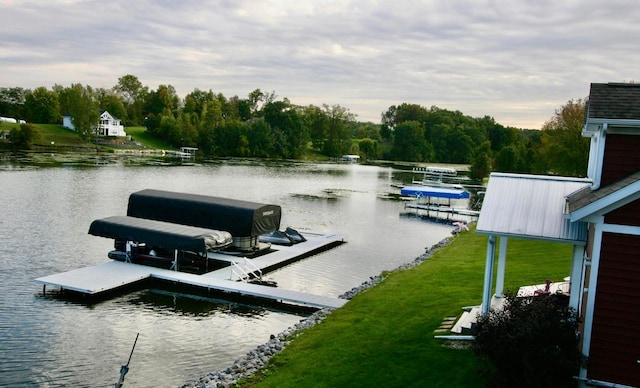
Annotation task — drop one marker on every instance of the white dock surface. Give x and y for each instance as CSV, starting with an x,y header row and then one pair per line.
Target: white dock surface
x,y
282,253
110,275
98,278
113,274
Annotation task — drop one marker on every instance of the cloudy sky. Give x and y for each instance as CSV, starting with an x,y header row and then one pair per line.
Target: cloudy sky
x,y
515,60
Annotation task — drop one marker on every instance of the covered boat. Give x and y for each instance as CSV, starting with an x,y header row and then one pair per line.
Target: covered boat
x,y
434,192
160,234
152,242
245,220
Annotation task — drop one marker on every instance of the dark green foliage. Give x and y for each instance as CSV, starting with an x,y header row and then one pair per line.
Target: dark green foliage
x,y
368,148
79,102
23,138
409,143
532,342
563,147
481,161
261,125
42,106
12,102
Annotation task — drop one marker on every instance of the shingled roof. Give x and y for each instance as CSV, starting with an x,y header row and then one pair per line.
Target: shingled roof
x,y
586,202
618,101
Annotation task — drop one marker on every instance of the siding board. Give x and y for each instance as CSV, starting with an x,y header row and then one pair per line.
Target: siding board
x,y
625,215
615,345
621,157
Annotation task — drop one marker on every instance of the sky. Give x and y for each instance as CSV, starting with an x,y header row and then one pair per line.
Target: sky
x,y
517,61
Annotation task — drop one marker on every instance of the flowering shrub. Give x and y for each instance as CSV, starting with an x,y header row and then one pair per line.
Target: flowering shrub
x,y
532,342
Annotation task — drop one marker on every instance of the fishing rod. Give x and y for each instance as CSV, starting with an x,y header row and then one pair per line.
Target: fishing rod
x,y
124,369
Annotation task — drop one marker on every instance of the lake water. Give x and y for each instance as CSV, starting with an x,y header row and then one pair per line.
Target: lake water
x,y
46,209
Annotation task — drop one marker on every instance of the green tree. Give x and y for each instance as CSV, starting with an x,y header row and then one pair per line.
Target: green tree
x,y
396,115
337,140
42,106
133,95
368,148
112,103
367,131
481,161
261,139
228,139
563,147
409,143
23,137
12,102
161,103
315,119
511,158
282,116
79,102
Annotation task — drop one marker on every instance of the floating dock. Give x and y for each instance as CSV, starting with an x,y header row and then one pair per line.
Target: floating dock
x,y
112,275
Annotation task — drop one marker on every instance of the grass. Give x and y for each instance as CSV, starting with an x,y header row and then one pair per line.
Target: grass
x,y
55,136
384,336
141,135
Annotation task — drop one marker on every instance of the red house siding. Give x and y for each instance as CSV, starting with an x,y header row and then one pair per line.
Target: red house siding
x,y
615,343
621,157
625,215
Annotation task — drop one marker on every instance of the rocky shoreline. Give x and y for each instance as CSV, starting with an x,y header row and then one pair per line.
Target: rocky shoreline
x,y
258,358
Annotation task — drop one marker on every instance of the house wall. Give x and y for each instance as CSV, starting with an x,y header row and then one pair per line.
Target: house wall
x,y
625,215
621,157
615,343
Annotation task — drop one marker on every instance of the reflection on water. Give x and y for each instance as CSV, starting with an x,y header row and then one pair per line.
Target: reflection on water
x,y
46,213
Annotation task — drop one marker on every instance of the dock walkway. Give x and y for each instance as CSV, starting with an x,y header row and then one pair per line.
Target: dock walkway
x,y
111,275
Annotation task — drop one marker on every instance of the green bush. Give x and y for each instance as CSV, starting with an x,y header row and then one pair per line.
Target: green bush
x,y
24,136
532,342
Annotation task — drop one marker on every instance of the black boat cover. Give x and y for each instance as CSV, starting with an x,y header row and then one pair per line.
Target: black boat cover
x,y
240,218
160,234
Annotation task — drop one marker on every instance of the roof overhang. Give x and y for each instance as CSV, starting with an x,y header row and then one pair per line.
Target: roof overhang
x,y
600,202
594,125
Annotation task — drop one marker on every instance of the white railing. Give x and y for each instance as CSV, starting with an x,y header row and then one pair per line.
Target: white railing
x,y
244,270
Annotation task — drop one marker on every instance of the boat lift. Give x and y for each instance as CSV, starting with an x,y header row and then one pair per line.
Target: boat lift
x,y
429,200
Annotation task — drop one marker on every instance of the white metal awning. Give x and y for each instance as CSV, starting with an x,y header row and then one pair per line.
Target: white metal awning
x,y
530,206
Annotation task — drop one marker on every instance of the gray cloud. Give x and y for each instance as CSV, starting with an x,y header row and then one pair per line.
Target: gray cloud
x,y
514,60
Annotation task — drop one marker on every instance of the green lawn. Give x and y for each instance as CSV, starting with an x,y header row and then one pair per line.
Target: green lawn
x,y
141,135
54,135
385,336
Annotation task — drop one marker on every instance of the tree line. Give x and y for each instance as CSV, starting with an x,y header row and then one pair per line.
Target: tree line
x,y
263,125
438,135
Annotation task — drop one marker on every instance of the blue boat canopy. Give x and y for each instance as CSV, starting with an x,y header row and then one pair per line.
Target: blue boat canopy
x,y
434,192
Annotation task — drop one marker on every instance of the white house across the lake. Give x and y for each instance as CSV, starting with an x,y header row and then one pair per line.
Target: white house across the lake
x,y
108,125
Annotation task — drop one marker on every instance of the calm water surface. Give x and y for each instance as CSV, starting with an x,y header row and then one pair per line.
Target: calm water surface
x,y
44,218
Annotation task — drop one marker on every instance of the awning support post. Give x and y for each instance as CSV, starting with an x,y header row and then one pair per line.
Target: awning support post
x,y
488,274
575,281
502,259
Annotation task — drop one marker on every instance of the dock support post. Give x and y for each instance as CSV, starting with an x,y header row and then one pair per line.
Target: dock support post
x,y
127,258
174,266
